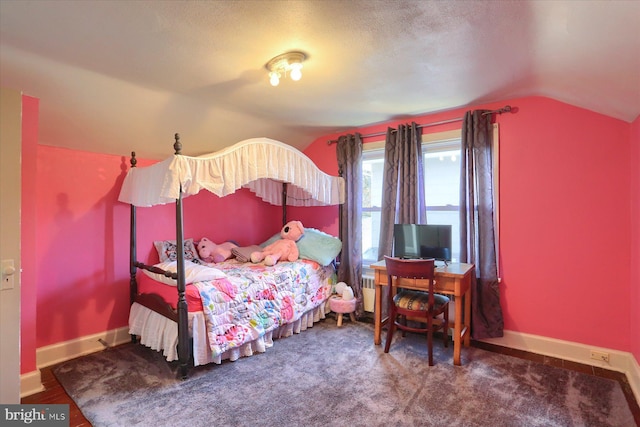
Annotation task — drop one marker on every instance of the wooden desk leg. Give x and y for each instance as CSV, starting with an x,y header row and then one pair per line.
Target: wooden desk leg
x,y
457,331
377,315
467,317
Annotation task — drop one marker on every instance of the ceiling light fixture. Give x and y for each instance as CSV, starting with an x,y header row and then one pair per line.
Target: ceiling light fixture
x,y
287,63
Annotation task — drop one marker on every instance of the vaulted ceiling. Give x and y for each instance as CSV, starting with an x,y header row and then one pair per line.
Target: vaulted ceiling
x,y
116,76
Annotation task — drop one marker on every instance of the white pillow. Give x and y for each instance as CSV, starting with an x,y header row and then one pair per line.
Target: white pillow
x,y
192,273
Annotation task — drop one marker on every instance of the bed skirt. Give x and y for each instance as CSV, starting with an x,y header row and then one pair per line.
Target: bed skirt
x,y
161,334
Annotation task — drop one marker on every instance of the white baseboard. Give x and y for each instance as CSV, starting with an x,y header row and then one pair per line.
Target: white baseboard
x,y
63,351
30,383
619,361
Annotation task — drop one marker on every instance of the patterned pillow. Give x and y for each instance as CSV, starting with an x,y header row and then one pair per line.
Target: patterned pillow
x,y
167,251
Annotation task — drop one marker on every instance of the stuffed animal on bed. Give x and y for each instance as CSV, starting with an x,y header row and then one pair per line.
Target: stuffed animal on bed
x,y
283,249
211,252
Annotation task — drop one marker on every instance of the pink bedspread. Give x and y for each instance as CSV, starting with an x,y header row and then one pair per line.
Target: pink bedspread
x,y
169,293
255,299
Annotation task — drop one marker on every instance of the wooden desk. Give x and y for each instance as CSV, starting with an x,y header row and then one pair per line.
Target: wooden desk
x,y
454,279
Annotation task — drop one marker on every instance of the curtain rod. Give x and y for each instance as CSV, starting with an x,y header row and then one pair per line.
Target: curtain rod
x,y
505,109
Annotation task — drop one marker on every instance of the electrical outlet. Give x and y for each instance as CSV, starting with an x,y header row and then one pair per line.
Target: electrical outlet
x,y
599,355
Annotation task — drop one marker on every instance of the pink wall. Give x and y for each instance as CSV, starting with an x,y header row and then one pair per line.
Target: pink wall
x,y
82,245
635,239
28,313
565,178
83,239
565,183
564,200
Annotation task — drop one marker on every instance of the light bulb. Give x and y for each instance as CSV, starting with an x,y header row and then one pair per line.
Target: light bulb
x,y
296,71
274,78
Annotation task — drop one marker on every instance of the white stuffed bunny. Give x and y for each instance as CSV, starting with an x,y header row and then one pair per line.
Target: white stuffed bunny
x,y
340,287
347,293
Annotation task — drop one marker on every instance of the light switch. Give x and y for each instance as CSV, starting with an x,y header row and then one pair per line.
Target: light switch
x,y
8,273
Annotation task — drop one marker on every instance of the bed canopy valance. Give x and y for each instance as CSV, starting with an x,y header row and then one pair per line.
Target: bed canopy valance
x,y
262,165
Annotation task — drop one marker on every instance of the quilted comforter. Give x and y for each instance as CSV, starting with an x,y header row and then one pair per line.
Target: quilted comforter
x,y
254,299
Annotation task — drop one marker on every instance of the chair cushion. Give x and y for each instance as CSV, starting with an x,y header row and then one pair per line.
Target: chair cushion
x,y
417,300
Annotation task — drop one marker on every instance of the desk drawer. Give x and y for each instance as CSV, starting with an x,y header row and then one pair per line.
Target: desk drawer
x,y
444,284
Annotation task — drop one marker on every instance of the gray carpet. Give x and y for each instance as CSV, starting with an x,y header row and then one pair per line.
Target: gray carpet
x,y
330,376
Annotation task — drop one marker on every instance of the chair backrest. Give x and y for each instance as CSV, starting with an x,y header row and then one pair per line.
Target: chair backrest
x,y
411,269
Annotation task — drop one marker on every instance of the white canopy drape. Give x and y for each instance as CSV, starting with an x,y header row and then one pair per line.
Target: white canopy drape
x,y
259,164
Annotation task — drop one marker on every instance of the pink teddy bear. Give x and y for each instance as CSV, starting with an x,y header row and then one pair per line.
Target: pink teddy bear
x,y
283,249
210,252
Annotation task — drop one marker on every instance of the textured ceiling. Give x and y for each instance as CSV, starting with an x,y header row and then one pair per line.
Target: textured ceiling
x,y
116,76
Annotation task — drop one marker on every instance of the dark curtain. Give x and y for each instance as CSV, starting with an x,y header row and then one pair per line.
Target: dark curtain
x,y
403,180
477,233
403,192
349,154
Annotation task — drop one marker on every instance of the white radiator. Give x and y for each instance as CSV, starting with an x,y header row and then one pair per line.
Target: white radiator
x,y
368,292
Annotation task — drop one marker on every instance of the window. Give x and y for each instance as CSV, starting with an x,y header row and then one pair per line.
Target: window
x,y
441,155
372,174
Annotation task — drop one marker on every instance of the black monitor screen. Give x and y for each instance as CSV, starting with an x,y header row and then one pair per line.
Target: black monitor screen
x,y
417,241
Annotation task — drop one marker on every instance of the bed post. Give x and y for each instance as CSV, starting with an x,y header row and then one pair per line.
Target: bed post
x,y
133,284
284,203
340,210
184,349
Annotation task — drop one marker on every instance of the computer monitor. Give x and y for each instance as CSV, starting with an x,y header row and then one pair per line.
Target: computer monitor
x,y
420,241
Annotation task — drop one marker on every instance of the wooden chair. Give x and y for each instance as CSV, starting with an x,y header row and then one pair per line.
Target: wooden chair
x,y
420,306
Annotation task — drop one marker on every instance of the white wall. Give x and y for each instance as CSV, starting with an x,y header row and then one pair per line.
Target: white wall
x,y
10,144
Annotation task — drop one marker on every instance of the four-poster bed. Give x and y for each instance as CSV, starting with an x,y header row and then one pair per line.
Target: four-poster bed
x,y
278,174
